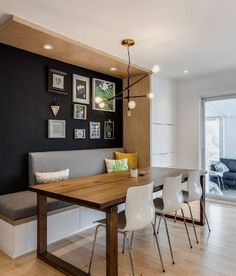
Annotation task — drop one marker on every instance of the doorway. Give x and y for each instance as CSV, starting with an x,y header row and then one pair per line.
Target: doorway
x,y
219,147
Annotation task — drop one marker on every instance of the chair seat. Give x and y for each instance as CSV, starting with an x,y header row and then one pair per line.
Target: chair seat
x,y
159,205
121,220
185,195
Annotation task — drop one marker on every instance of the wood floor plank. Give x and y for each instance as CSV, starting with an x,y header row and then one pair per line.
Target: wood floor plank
x,y
214,255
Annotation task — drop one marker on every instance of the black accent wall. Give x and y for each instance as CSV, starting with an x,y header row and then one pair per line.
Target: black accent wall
x,y
25,109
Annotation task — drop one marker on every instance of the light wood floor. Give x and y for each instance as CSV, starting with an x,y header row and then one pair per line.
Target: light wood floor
x,y
214,255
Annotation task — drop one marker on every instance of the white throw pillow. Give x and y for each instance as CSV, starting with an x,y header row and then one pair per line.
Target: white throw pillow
x,y
45,177
117,165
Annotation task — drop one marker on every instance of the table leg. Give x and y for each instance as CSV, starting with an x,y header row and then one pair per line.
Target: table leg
x,y
202,182
112,242
41,224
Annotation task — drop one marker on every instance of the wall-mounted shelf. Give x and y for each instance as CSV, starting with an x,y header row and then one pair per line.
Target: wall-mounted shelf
x,y
25,35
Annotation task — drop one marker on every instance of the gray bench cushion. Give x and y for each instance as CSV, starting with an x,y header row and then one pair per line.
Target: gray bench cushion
x,y
80,162
24,204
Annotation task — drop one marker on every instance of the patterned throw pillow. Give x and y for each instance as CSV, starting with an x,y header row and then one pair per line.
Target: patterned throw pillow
x,y
220,167
132,158
46,177
117,165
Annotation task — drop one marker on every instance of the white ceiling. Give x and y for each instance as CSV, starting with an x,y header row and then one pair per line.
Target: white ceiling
x,y
197,35
222,108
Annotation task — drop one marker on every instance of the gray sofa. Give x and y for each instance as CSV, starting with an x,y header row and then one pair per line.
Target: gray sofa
x,y
17,206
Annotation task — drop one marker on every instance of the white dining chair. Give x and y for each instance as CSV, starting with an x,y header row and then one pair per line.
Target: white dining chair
x,y
139,213
193,193
170,202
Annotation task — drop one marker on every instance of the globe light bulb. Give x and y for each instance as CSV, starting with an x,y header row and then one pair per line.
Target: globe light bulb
x,y
98,100
101,104
155,69
131,104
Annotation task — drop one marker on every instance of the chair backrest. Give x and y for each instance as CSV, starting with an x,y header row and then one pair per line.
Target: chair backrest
x,y
172,194
194,186
139,207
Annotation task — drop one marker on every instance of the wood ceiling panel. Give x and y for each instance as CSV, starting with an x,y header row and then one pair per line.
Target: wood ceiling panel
x,y
25,35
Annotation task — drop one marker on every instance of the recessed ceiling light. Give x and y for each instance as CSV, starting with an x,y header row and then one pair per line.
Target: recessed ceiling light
x,y
185,71
113,68
47,46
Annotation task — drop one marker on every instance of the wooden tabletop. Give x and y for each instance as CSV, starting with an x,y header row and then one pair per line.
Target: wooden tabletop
x,y
104,190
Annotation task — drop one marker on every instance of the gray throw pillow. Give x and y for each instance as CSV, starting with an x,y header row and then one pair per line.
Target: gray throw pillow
x,y
221,167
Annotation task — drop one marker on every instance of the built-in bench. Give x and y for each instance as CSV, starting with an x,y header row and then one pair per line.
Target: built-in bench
x,y
18,228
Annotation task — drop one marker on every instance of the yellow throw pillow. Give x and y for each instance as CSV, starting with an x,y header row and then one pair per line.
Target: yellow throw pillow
x,y
132,158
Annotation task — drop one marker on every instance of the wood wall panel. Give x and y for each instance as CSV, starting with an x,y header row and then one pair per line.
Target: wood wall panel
x,y
137,127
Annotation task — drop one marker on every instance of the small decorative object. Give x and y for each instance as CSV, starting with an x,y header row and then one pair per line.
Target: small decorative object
x,y
56,129
79,133
142,173
57,81
55,107
80,112
80,89
103,92
108,130
134,173
95,130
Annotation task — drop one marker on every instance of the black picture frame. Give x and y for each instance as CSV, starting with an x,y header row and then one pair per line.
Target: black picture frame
x,y
109,130
58,81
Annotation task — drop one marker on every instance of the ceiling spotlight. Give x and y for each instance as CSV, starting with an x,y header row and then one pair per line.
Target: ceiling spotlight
x,y
185,71
155,69
113,68
47,46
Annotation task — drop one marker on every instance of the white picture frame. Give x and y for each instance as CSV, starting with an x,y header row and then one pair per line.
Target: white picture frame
x,y
56,128
80,112
80,133
81,89
104,90
95,130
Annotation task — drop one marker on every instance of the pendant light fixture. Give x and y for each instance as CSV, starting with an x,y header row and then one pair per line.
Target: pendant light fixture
x,y
120,95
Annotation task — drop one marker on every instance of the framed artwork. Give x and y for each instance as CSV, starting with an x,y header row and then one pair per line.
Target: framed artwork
x,y
104,90
57,81
56,129
80,112
79,133
80,89
108,130
95,130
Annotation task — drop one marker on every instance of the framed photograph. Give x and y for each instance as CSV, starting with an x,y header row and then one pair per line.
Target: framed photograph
x,y
104,90
95,130
56,129
79,133
57,81
80,112
108,130
80,89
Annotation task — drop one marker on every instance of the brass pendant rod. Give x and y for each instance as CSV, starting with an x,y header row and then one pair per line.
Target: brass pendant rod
x,y
121,92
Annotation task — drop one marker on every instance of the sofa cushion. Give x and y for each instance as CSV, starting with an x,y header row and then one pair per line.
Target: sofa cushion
x,y
230,175
230,163
80,162
24,204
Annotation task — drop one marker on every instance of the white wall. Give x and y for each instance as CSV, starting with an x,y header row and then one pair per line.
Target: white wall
x,y
230,137
163,118
189,94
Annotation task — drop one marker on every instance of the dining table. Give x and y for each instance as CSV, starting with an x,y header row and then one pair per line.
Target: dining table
x,y
103,192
